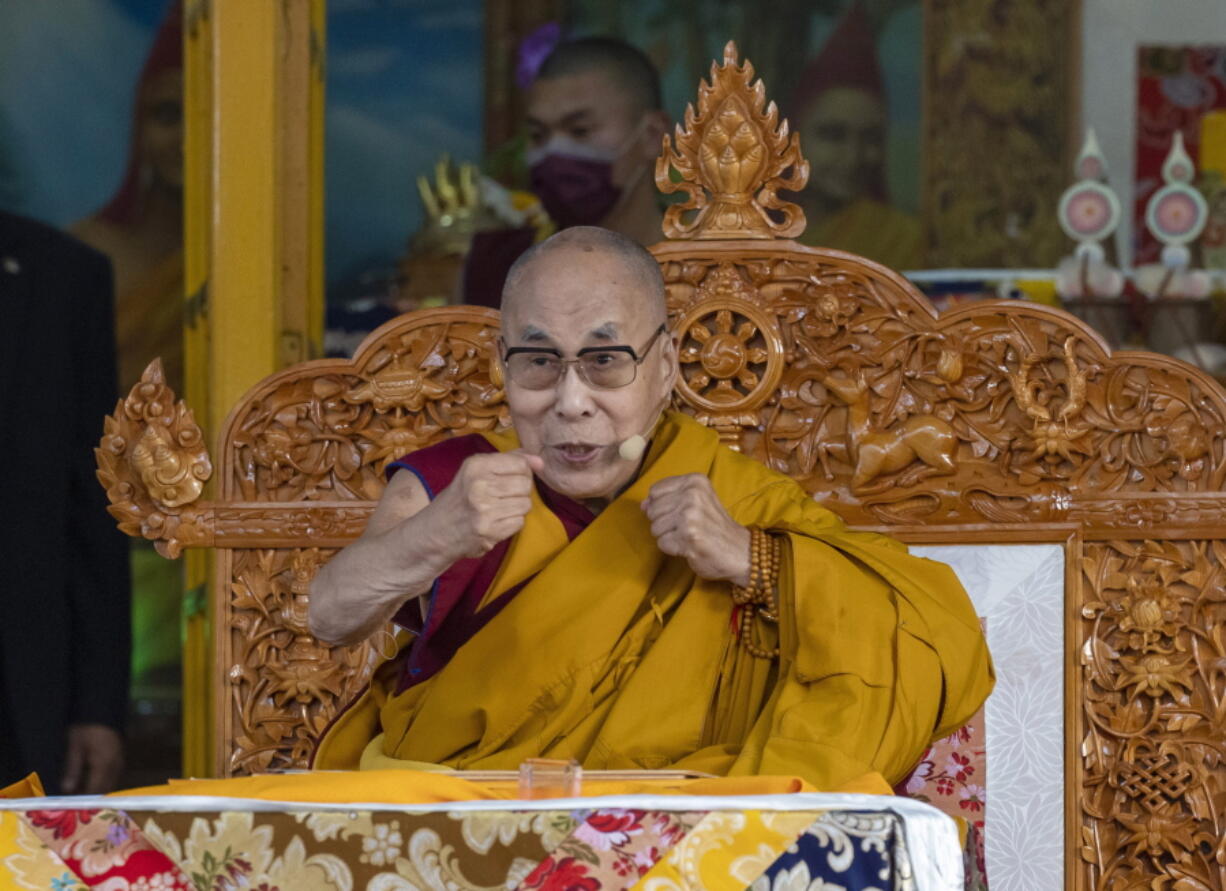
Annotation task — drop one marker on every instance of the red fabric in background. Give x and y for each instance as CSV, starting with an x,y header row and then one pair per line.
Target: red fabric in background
x,y
1176,87
489,259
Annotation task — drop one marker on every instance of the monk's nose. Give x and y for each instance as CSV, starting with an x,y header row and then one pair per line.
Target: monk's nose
x,y
573,395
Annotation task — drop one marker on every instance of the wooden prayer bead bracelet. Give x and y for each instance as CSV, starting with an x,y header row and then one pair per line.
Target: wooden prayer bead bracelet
x,y
758,597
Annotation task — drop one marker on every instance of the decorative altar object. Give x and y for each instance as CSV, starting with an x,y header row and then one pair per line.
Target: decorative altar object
x,y
1165,306
1089,213
1176,215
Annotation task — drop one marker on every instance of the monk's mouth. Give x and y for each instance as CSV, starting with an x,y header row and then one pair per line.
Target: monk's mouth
x,y
576,454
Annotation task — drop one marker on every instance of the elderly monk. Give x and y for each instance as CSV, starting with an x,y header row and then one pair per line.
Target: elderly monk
x,y
678,607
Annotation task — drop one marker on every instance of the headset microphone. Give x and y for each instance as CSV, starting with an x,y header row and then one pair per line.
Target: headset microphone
x,y
632,449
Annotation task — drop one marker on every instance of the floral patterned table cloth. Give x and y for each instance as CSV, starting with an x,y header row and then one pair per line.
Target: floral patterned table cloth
x,y
652,843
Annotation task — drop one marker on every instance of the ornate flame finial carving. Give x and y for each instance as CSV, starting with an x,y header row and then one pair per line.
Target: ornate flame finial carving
x,y
734,155
154,465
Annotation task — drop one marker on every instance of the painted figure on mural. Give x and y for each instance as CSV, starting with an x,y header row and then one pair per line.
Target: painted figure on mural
x,y
840,112
141,227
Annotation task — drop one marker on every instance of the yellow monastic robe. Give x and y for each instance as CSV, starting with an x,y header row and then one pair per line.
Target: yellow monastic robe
x,y
620,657
871,229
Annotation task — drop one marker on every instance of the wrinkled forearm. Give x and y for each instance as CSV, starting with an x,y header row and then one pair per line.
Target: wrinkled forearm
x,y
363,586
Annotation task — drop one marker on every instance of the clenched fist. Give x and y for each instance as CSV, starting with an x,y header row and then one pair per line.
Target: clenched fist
x,y
486,502
688,521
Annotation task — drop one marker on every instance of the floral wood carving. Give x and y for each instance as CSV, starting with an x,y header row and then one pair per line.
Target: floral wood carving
x,y
153,464
808,360
733,155
329,435
1153,703
303,460
284,684
824,366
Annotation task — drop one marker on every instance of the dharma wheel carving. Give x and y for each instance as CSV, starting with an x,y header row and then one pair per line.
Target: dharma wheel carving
x,y
1000,421
731,351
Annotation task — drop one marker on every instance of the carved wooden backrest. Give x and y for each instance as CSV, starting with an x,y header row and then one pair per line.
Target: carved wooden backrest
x,y
998,422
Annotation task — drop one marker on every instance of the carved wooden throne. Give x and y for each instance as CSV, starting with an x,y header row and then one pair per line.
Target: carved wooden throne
x,y
999,422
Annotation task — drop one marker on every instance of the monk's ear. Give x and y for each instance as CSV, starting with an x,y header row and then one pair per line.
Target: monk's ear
x,y
498,375
657,124
670,367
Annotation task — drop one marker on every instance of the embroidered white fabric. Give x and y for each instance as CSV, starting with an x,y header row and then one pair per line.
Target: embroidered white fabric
x,y
1019,590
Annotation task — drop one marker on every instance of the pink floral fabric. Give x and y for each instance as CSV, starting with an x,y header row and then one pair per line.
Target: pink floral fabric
x,y
952,776
105,848
610,849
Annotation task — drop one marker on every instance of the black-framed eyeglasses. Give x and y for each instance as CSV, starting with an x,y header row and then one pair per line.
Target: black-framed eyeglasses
x,y
603,367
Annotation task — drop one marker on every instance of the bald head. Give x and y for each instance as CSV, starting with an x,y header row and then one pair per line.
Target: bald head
x,y
589,250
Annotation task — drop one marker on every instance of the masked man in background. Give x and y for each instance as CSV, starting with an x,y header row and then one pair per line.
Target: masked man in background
x,y
595,125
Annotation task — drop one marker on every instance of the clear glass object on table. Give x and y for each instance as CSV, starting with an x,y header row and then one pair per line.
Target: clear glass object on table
x,y
549,778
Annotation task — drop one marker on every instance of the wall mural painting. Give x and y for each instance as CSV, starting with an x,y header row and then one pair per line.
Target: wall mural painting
x,y
91,140
999,132
854,97
404,87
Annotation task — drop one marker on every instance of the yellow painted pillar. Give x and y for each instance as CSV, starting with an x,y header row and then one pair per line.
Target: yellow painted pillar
x,y
253,148
197,247
245,272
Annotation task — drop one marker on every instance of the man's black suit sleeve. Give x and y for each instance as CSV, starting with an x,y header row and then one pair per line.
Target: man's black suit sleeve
x,y
101,639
